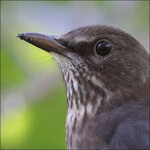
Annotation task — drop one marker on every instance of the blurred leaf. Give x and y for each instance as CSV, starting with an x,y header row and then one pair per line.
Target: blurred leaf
x,y
42,126
14,130
11,74
143,15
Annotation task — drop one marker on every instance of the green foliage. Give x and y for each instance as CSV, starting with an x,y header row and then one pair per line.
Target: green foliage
x,y
41,126
11,73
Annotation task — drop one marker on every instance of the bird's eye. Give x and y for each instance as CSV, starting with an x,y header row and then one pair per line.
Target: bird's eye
x,y
103,47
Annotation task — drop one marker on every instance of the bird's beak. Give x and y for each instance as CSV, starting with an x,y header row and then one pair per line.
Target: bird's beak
x,y
48,43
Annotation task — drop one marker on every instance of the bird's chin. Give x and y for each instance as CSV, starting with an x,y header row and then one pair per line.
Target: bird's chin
x,y
59,57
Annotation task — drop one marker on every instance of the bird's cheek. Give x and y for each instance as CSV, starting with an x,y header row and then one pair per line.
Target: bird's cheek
x,y
97,62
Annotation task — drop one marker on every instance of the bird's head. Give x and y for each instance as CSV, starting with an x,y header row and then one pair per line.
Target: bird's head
x,y
105,55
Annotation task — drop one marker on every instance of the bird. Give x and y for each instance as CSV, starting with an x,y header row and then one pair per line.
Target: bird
x,y
106,74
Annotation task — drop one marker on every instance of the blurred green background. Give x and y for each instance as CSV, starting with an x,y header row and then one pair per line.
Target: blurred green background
x,y
33,99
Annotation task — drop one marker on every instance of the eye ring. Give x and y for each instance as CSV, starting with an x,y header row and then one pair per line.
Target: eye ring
x,y
103,47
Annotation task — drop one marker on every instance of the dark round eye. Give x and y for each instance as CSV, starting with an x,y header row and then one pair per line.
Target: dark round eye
x,y
103,48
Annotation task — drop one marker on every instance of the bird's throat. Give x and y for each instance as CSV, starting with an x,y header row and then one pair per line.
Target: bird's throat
x,y
85,95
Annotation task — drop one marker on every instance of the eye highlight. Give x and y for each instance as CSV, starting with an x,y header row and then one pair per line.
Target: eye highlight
x,y
103,47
